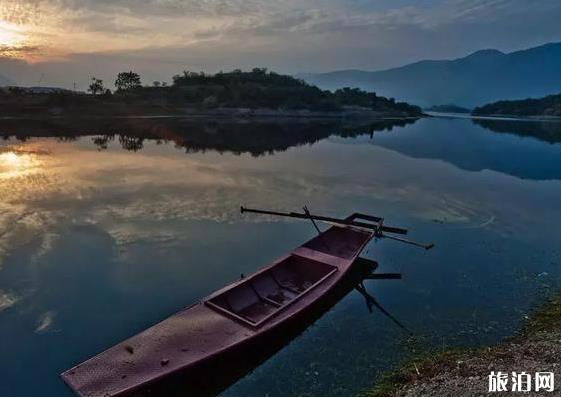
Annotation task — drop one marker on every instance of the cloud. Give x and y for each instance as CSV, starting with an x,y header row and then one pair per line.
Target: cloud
x,y
45,322
267,25
414,17
26,10
99,37
14,51
20,12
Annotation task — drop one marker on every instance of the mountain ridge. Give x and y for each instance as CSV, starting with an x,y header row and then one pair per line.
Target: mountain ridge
x,y
481,77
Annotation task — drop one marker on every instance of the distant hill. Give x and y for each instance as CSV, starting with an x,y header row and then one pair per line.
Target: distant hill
x,y
548,106
449,108
482,77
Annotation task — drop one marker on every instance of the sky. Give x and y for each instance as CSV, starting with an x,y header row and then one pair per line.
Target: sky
x,y
62,42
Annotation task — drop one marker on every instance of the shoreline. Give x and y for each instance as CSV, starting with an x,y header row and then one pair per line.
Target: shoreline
x,y
504,117
221,113
464,372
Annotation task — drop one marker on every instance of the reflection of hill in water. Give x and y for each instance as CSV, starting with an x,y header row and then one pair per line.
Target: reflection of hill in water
x,y
548,131
460,142
255,137
469,147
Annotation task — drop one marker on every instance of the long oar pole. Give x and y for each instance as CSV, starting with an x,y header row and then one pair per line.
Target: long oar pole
x,y
316,227
406,241
387,229
377,228
312,219
400,239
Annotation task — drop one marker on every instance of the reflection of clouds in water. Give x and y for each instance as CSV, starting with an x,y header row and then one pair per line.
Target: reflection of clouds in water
x,y
465,215
45,322
483,224
47,243
22,149
7,300
131,234
20,161
125,193
112,188
122,191
452,210
13,232
30,187
20,226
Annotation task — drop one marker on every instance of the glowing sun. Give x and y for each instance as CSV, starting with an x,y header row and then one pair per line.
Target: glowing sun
x,y
9,35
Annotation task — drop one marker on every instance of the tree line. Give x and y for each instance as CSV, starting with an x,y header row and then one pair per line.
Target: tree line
x,y
257,88
546,106
125,81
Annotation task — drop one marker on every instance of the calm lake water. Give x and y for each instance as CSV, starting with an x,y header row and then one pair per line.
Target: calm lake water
x,y
115,225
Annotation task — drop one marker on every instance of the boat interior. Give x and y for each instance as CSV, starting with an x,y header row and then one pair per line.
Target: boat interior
x,y
261,296
338,241
264,294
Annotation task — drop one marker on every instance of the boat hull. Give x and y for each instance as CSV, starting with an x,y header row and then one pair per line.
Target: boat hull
x,y
220,334
214,375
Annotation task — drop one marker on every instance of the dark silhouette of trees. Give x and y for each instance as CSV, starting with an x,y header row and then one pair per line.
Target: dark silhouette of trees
x,y
265,89
96,86
255,89
127,81
546,106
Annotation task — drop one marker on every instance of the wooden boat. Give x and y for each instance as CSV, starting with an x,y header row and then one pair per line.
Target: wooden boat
x,y
230,320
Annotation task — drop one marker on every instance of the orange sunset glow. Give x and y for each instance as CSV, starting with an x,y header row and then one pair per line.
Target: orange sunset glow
x,y
11,37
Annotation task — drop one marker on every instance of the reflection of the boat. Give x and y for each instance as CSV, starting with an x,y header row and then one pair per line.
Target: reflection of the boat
x,y
257,137
218,374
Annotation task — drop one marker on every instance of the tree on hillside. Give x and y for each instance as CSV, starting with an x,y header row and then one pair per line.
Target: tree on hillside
x,y
96,86
127,80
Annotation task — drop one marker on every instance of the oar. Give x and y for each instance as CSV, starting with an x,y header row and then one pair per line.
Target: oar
x,y
369,226
383,235
406,241
305,208
377,228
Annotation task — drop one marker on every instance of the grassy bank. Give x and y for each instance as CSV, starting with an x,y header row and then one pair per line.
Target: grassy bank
x,y
464,372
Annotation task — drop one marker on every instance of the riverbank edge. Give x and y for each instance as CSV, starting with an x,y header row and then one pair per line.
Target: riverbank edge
x,y
426,371
221,113
533,117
